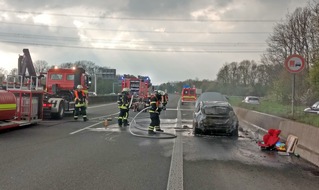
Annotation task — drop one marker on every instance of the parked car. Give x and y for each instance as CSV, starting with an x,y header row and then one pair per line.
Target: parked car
x,y
214,115
251,100
313,109
92,94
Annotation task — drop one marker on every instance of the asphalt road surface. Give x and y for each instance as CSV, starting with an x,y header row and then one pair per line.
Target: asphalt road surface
x,y
64,154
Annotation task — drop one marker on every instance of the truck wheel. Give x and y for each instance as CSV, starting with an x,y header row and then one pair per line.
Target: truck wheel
x,y
60,113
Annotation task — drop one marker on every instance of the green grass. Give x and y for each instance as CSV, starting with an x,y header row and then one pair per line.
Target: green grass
x,y
277,109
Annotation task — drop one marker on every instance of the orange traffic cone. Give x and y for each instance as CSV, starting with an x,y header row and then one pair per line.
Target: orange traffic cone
x,y
106,123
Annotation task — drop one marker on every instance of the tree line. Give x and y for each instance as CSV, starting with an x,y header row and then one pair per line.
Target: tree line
x,y
297,34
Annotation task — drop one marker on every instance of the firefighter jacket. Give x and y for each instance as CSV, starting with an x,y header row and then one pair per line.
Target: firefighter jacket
x,y
155,105
123,101
79,98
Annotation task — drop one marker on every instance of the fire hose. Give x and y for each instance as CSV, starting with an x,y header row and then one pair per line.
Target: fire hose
x,y
137,126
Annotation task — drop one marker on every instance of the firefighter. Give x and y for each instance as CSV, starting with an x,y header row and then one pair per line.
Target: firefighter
x,y
155,110
80,103
123,104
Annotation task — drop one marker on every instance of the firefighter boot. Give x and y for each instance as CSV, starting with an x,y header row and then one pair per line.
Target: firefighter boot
x,y
150,132
125,123
157,128
85,118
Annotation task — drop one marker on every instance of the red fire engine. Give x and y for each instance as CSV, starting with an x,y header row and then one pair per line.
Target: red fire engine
x,y
188,94
60,85
140,89
21,96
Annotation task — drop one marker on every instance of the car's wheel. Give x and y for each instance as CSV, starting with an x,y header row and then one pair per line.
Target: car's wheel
x,y
196,131
235,131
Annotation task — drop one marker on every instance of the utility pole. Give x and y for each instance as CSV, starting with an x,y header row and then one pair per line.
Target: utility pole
x,y
95,88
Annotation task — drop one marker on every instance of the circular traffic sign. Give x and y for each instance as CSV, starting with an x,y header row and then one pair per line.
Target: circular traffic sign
x,y
295,63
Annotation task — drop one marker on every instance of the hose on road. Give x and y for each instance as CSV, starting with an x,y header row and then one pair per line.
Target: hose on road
x,y
158,135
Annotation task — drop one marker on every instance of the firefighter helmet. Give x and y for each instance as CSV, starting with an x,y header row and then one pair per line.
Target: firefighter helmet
x,y
80,87
160,92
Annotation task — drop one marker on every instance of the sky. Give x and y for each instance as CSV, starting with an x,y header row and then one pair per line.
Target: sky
x,y
167,40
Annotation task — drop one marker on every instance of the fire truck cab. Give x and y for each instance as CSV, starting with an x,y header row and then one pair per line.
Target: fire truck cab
x,y
60,86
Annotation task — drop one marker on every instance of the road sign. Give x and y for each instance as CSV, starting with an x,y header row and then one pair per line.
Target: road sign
x,y
295,63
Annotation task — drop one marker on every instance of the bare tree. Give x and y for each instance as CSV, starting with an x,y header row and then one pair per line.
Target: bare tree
x,y
3,73
297,35
41,66
14,72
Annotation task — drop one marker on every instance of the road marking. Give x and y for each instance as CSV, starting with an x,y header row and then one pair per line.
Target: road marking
x,y
175,179
256,126
74,132
86,128
101,117
171,109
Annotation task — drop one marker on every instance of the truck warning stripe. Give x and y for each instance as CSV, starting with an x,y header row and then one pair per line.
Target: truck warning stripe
x,y
189,96
8,106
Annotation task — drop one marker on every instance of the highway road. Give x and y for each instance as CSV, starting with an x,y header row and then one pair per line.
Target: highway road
x,y
66,154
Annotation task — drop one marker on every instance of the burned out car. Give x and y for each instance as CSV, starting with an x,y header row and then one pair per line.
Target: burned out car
x,y
214,115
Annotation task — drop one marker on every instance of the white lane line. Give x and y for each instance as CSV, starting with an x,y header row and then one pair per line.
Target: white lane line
x,y
86,128
175,178
74,132
93,118
256,126
171,109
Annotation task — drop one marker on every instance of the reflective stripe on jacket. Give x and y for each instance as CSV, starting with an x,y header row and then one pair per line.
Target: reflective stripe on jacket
x,y
123,102
154,104
79,98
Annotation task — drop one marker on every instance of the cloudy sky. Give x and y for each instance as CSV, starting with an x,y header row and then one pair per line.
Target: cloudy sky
x,y
168,40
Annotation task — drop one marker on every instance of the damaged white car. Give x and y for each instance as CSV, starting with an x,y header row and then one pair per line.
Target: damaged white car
x,y
214,115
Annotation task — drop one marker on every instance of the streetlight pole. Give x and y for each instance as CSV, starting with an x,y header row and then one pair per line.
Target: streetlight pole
x,y
95,88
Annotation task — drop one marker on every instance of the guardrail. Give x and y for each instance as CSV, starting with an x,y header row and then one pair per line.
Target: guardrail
x,y
102,99
308,140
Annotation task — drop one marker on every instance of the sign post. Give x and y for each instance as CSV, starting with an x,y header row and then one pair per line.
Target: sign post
x,y
294,64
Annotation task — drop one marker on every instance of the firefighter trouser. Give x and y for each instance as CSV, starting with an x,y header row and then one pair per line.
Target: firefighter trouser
x,y
155,122
122,119
80,110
